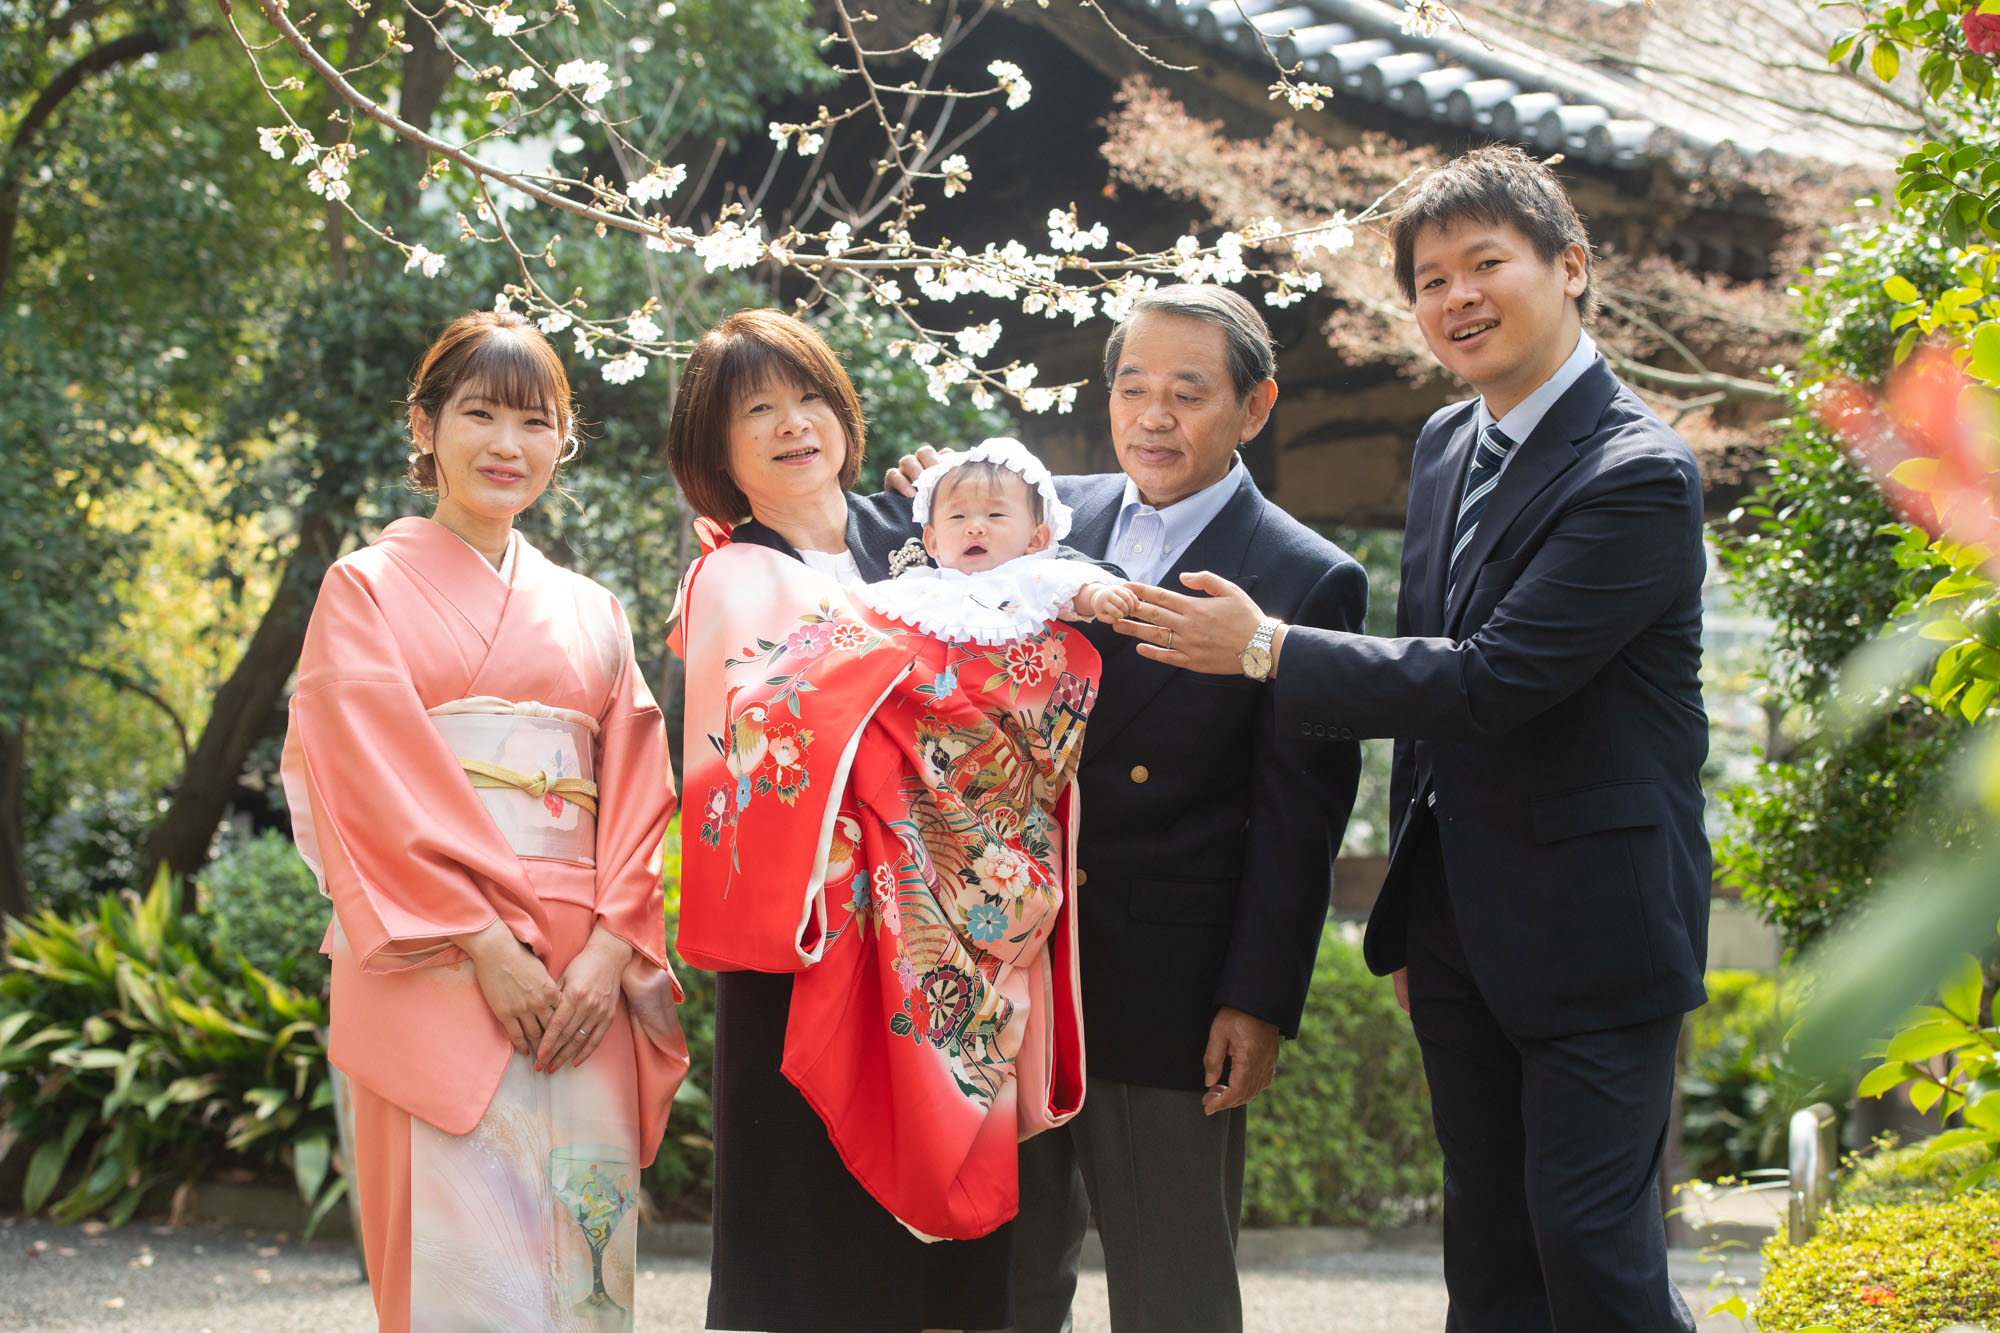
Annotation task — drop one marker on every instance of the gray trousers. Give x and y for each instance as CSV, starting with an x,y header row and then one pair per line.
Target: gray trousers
x,y
1166,1185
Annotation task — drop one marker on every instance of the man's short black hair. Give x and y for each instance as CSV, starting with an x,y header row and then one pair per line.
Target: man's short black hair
x,y
1499,185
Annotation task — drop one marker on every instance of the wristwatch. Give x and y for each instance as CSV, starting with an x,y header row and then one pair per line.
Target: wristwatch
x,y
1256,658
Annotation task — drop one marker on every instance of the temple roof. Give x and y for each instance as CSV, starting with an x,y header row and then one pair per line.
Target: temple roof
x,y
1692,84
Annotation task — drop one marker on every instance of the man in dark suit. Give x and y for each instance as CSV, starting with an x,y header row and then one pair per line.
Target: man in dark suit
x,y
1546,906
1207,846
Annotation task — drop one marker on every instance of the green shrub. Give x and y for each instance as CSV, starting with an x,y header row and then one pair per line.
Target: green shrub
x,y
682,1177
1905,1268
1738,1092
260,899
1343,1136
1908,1175
134,1052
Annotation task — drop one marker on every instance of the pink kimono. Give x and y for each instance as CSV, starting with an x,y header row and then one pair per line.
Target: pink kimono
x,y
464,747
892,817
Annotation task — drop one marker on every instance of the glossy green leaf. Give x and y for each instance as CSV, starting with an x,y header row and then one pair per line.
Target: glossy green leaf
x,y
1928,1039
1961,990
1985,362
1883,1077
45,1168
1885,60
311,1157
333,1195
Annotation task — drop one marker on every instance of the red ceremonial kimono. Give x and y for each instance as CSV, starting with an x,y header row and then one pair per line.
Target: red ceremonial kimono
x,y
891,817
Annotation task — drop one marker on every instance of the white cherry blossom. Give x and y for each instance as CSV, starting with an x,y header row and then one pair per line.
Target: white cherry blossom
x,y
957,174
1012,82
590,78
623,369
730,246
431,262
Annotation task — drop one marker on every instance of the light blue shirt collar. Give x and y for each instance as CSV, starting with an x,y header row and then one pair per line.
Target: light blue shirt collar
x,y
1520,423
1145,542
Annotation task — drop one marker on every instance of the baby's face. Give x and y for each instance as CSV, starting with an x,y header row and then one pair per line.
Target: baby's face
x,y
976,524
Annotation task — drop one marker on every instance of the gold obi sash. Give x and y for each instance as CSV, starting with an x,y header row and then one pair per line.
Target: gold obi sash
x,y
533,766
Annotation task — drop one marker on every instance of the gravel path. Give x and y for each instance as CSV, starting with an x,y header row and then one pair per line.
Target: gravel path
x,y
204,1280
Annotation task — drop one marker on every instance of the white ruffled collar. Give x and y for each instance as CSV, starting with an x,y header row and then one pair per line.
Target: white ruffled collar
x,y
986,607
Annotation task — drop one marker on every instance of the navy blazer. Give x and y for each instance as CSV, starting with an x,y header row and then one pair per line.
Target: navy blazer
x,y
1548,718
1207,844
1206,851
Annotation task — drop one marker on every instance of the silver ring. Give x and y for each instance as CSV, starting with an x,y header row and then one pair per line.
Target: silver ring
x,y
1170,640
583,1032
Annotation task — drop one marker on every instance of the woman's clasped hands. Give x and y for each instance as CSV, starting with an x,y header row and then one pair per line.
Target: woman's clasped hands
x,y
556,1022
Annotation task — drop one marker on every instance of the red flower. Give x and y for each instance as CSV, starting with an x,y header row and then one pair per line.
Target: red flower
x,y
1877,1295
553,804
1982,32
1024,664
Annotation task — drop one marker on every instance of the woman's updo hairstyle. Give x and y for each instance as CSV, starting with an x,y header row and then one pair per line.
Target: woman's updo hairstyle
x,y
504,357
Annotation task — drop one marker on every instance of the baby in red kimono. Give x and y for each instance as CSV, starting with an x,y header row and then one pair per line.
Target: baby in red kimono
x,y
888,812
991,521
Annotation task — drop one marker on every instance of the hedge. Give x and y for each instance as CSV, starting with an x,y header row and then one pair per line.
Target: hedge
x,y
1343,1136
1895,1268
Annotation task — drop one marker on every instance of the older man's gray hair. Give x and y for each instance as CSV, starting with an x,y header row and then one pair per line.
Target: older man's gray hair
x,y
1251,360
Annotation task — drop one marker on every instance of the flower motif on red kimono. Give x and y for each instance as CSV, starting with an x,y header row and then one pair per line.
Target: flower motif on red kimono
x,y
1003,871
848,635
906,973
785,758
809,641
1054,656
885,900
716,815
986,922
1025,663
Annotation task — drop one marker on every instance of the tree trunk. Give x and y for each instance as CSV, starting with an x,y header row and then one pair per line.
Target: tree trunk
x,y
13,852
242,707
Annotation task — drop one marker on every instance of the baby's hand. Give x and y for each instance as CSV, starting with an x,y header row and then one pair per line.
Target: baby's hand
x,y
1108,602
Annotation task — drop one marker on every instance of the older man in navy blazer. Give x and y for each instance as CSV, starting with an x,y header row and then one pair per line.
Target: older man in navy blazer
x,y
1546,905
1208,843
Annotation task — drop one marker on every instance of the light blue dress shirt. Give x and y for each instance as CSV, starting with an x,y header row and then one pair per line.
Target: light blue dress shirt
x,y
1145,542
1520,423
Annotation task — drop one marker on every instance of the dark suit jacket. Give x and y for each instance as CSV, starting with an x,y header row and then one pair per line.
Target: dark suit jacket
x,y
1552,709
876,526
1206,845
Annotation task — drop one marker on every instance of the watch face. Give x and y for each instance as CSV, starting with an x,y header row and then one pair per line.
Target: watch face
x,y
1256,662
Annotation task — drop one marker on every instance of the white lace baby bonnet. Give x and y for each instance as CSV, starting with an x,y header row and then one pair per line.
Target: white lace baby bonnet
x,y
993,606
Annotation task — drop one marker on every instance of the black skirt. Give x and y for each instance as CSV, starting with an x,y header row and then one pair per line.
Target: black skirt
x,y
800,1247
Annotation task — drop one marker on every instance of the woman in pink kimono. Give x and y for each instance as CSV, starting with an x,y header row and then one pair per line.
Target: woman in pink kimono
x,y
478,775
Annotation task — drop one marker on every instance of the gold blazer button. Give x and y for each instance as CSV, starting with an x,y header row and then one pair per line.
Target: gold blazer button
x,y
1082,878
1139,773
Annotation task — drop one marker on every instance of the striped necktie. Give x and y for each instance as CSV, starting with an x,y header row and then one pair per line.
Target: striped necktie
x,y
1484,474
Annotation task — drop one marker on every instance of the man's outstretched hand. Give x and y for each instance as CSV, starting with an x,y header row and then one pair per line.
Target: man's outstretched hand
x,y
902,478
1205,634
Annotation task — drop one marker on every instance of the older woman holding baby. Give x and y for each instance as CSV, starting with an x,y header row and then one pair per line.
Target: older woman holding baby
x,y
880,865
